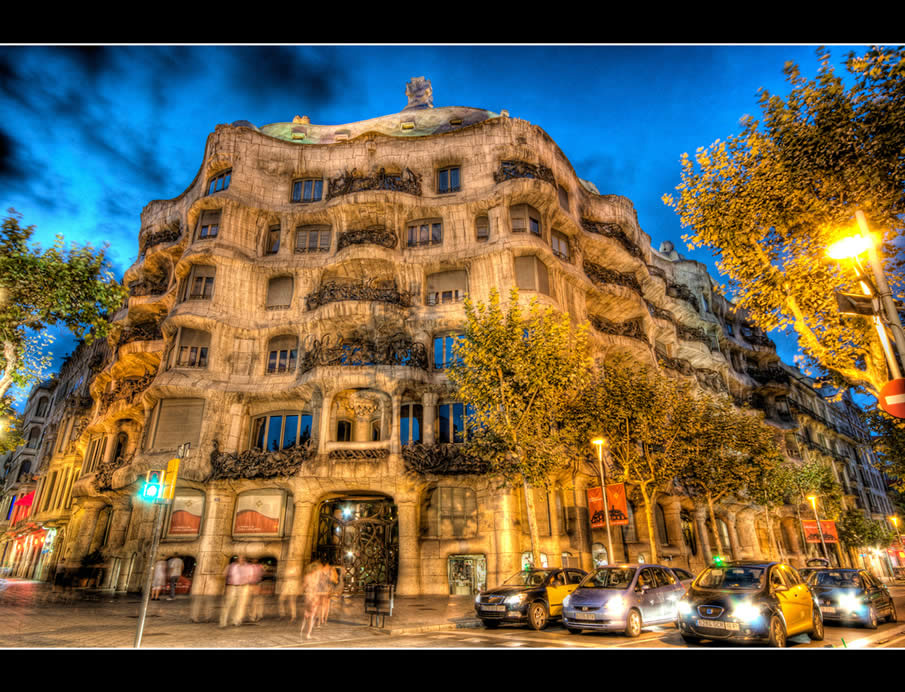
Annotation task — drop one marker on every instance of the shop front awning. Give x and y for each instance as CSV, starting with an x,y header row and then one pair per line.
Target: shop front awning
x,y
26,500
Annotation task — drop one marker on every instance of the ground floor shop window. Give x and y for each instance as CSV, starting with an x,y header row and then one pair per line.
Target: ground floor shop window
x,y
598,555
467,574
528,560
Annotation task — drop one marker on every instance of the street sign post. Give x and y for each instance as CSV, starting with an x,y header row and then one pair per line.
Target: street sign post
x,y
892,397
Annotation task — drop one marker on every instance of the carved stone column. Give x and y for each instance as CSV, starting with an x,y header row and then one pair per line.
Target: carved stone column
x,y
209,579
672,513
700,522
293,565
395,422
791,533
109,449
324,424
749,546
734,548
506,539
122,511
408,582
91,509
429,413
362,408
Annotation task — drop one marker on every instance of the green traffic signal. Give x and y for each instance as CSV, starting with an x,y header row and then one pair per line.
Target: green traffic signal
x,y
153,486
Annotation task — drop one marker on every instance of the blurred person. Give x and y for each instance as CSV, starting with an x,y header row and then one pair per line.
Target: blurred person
x,y
311,587
234,599
328,581
174,571
256,598
159,580
290,591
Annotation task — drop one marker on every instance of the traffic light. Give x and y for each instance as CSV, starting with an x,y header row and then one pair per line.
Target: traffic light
x,y
153,487
719,561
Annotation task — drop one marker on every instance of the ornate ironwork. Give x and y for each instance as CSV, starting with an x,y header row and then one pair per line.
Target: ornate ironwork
x,y
367,236
444,459
711,379
602,275
358,454
677,364
614,231
333,291
127,390
169,234
660,313
103,477
146,331
692,334
656,271
395,350
769,374
349,182
261,463
681,292
756,337
521,169
149,287
630,328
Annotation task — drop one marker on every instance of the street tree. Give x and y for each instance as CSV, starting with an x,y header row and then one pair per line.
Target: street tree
x,y
641,413
814,477
39,288
769,201
856,532
888,443
517,373
726,450
768,489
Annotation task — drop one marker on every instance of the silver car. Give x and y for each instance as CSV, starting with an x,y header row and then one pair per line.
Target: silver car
x,y
623,598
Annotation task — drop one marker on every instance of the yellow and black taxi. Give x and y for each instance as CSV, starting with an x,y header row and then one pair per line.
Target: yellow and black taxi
x,y
848,595
749,601
532,596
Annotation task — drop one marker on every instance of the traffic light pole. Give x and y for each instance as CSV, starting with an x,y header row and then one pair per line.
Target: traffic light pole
x,y
149,572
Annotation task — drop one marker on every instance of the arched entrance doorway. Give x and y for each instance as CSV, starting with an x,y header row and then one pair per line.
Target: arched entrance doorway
x,y
361,534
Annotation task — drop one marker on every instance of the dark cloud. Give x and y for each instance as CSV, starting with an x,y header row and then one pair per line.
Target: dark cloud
x,y
608,173
10,166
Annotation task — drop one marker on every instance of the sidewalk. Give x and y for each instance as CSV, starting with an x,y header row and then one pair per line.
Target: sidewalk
x,y
32,616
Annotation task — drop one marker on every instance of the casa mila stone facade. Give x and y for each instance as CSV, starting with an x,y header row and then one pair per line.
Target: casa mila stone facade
x,y
290,317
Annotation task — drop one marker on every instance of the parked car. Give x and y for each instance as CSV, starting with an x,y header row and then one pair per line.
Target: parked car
x,y
852,594
623,598
749,601
534,596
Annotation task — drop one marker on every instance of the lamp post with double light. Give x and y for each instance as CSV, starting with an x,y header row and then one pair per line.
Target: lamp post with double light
x,y
600,443
813,501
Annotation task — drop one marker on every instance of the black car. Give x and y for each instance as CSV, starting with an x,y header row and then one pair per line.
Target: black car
x,y
852,595
749,601
532,595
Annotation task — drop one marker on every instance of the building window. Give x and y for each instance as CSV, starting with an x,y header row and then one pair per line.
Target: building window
x,y
279,292
560,244
443,350
208,224
308,190
525,218
200,285
446,287
482,228
531,275
598,555
343,430
312,239
425,232
34,438
283,354
219,182
448,180
528,560
450,422
41,410
272,246
451,512
563,197
94,454
410,423
281,430
193,348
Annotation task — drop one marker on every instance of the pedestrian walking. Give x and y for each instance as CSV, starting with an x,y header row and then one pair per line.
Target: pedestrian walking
x,y
311,590
233,609
256,598
159,580
328,581
174,571
289,592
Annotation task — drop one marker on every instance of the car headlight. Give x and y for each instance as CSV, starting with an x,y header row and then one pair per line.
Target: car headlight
x,y
849,602
746,612
566,601
477,599
616,605
515,599
684,608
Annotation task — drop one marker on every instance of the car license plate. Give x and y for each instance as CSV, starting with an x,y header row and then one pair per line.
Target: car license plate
x,y
828,609
717,624
494,608
584,616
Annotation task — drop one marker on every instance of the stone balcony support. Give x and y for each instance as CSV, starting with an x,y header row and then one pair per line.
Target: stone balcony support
x,y
429,413
209,578
408,582
292,567
700,522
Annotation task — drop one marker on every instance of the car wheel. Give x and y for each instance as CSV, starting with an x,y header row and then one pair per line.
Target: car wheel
x,y
816,633
777,632
633,623
892,617
689,639
490,624
537,615
574,630
871,621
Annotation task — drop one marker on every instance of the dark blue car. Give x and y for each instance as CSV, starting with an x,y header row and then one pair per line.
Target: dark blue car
x,y
851,595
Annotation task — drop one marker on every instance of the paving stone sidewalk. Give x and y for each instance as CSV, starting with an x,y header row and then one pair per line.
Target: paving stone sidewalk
x,y
32,615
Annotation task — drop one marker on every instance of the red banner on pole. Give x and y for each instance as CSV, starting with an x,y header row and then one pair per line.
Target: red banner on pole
x,y
618,506
812,534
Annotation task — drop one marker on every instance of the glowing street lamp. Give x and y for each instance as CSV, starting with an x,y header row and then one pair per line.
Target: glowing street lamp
x,y
813,500
895,522
600,443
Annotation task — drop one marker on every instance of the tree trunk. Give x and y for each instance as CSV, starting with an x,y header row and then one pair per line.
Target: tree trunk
x,y
777,548
716,530
532,523
649,515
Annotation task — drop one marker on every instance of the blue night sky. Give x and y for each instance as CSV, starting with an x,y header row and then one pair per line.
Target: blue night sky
x,y
88,136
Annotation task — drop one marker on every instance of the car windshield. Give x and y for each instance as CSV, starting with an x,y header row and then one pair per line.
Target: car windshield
x,y
844,580
734,578
609,578
532,578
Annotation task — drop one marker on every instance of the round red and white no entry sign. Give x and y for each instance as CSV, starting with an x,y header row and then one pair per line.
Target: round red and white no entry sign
x,y
892,397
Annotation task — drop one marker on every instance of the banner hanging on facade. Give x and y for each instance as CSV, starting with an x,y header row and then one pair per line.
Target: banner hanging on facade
x,y
258,514
185,519
618,506
812,534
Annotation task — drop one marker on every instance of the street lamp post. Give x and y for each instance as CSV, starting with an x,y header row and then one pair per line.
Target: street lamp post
x,y
813,500
600,442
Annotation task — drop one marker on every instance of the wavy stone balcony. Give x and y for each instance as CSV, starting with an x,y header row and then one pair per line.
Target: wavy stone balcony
x,y
260,463
443,459
601,276
126,391
358,451
350,182
632,329
334,291
381,237
682,292
510,170
615,232
170,234
397,350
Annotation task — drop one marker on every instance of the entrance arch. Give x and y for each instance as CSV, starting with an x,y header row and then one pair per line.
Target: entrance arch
x,y
360,533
